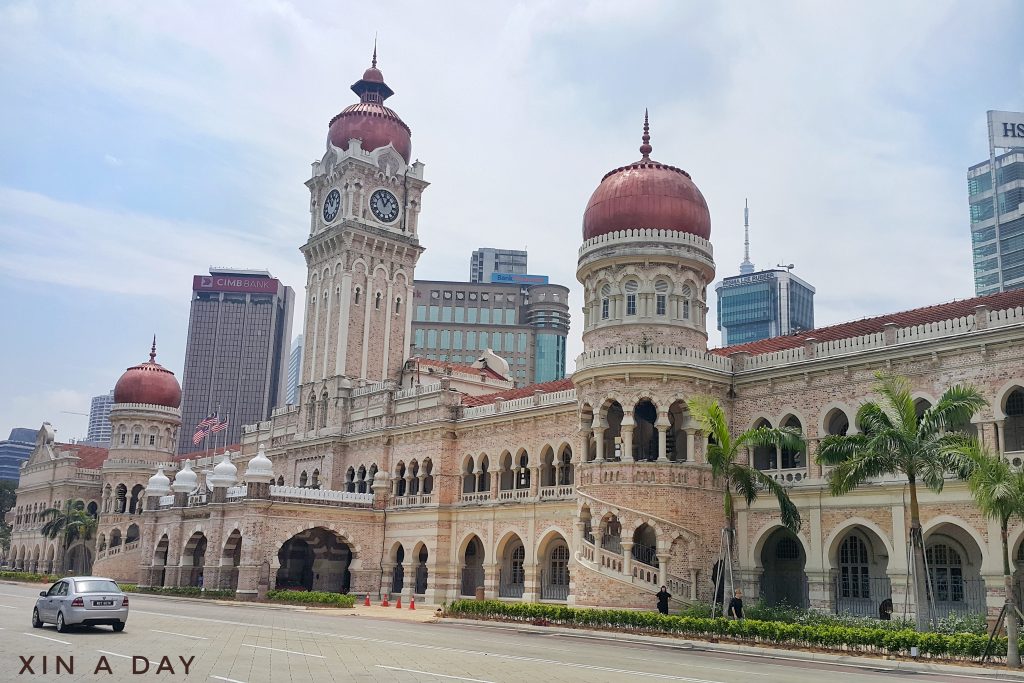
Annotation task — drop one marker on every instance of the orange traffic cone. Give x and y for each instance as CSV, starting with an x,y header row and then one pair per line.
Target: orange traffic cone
x,y
398,603
412,603
384,602
366,603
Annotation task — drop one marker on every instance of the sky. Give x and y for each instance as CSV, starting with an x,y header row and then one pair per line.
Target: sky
x,y
141,143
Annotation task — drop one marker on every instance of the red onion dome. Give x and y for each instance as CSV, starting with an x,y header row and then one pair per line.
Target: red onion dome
x,y
369,120
149,383
646,194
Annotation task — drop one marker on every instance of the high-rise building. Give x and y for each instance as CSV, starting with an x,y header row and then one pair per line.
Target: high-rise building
x,y
997,227
294,372
763,304
486,261
99,420
15,450
524,323
236,358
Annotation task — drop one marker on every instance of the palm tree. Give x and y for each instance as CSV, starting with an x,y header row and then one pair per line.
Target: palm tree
x,y
998,491
72,523
894,441
723,455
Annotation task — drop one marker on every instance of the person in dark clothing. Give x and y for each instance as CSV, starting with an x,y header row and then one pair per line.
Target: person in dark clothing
x,y
735,610
885,610
663,596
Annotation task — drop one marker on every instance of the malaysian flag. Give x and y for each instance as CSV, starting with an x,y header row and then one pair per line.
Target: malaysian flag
x,y
210,420
219,427
199,436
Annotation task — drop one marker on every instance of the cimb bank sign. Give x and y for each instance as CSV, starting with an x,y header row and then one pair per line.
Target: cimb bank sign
x,y
1005,129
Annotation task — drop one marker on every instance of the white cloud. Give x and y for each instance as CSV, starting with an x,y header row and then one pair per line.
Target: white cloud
x,y
111,160
59,407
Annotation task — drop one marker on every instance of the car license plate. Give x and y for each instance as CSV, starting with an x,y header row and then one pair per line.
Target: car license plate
x,y
102,603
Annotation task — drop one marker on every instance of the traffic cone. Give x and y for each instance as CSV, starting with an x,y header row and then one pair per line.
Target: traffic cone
x,y
398,603
412,603
384,602
366,603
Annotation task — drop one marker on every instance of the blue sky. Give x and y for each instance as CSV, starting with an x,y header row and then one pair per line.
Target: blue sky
x,y
141,143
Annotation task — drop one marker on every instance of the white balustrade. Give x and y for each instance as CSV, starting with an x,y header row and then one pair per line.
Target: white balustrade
x,y
321,495
237,492
564,491
166,501
476,497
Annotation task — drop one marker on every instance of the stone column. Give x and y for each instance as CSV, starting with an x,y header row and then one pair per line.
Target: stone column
x,y
599,444
627,558
531,582
386,587
496,482
1000,436
534,481
627,436
491,581
663,559
408,483
662,425
690,454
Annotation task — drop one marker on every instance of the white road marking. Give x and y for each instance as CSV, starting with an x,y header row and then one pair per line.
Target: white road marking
x,y
183,635
15,595
229,680
437,648
277,649
35,635
113,654
8,607
431,673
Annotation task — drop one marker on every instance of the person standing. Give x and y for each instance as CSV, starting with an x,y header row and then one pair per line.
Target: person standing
x,y
663,596
735,610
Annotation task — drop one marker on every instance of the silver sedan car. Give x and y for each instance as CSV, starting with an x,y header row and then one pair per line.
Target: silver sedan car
x,y
81,600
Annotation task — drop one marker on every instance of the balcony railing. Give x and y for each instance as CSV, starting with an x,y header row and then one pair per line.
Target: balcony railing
x,y
555,492
410,501
514,494
320,495
166,501
478,497
236,492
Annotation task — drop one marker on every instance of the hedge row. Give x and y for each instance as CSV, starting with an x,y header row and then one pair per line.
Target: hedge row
x,y
832,637
313,597
29,577
188,591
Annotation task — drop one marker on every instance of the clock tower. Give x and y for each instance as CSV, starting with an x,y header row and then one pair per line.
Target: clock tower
x,y
362,249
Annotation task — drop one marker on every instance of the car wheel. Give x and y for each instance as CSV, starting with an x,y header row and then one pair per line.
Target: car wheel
x,y
61,626
36,621
119,626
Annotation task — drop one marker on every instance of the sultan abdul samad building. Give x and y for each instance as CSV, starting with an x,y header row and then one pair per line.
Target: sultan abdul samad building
x,y
416,477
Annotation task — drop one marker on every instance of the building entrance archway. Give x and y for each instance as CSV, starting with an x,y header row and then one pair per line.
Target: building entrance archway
x,y
315,560
784,581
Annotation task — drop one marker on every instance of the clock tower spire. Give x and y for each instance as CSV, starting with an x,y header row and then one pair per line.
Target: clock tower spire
x,y
362,250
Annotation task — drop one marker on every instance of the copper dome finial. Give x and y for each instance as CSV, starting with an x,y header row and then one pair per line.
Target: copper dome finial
x,y
646,148
152,351
373,64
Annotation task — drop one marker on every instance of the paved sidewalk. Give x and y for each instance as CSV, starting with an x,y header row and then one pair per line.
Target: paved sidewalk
x,y
766,652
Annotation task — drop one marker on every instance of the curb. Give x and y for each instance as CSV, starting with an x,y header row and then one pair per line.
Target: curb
x,y
766,652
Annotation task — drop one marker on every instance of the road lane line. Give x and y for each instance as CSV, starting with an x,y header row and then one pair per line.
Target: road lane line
x,y
431,673
113,654
229,680
35,635
437,648
183,635
15,595
277,649
8,607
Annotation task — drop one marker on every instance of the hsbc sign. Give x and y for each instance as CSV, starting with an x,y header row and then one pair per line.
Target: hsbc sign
x,y
1005,129
233,283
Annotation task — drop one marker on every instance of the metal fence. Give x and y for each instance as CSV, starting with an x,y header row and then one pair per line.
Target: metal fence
x,y
645,554
549,591
962,597
510,590
397,578
421,579
785,589
472,576
860,595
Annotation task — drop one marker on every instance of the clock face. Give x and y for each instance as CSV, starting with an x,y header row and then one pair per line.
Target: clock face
x,y
331,205
384,206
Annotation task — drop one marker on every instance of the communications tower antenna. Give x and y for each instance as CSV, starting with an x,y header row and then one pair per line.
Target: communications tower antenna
x,y
746,268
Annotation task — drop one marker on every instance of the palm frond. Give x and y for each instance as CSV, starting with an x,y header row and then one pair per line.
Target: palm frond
x,y
837,448
898,399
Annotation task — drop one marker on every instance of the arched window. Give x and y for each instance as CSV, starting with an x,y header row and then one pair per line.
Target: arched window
x,y
631,289
311,413
1013,425
559,567
398,305
135,439
323,409
606,293
376,301
302,479
315,481
686,294
350,480
854,576
660,297
361,480
357,293
790,458
517,567
280,480
468,477
945,569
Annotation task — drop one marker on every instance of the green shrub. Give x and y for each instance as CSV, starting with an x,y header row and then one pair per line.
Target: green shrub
x,y
128,587
29,577
313,597
828,632
188,591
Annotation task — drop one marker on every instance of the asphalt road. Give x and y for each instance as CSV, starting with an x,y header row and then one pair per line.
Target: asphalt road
x,y
260,644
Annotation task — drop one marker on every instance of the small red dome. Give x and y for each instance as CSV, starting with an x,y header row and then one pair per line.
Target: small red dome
x,y
647,194
149,383
369,120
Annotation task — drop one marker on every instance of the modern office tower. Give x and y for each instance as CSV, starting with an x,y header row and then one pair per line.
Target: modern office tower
x,y
15,450
997,227
294,372
486,261
764,304
524,323
99,420
236,357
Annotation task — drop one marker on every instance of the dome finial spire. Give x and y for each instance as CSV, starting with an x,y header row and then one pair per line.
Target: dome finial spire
x,y
152,351
646,148
373,64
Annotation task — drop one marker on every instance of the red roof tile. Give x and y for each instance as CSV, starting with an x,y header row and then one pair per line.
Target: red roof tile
x,y
457,367
521,392
89,457
856,328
